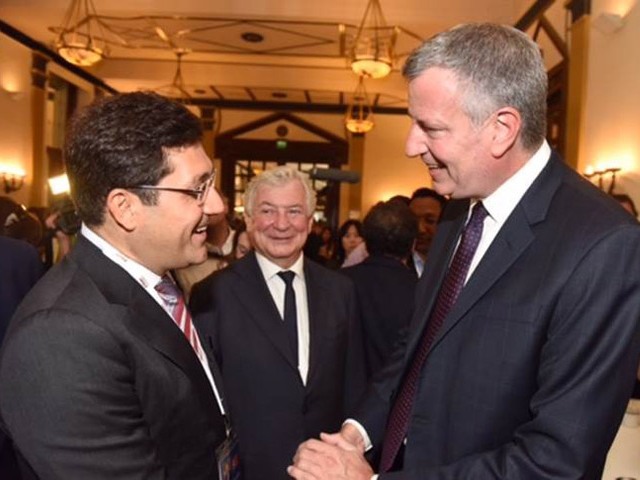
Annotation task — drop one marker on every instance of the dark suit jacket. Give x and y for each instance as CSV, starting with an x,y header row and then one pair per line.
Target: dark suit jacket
x,y
20,269
531,372
98,383
271,409
385,288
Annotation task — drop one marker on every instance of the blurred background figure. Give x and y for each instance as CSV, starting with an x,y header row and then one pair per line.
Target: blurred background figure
x,y
20,269
17,222
349,237
327,251
385,285
219,243
314,241
427,205
241,242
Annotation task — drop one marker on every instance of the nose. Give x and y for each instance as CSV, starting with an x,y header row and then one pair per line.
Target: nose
x,y
415,144
213,202
281,221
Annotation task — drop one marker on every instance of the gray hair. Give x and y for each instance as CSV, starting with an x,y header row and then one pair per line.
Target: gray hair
x,y
278,177
497,66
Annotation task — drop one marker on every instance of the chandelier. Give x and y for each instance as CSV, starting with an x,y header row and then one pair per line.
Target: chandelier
x,y
373,46
77,43
359,117
176,89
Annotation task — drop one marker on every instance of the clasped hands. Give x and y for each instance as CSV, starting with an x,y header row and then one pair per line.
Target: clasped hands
x,y
335,456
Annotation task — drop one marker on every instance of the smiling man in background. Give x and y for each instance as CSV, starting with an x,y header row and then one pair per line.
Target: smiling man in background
x,y
284,330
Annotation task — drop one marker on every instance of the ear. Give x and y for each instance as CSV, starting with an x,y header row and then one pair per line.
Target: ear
x,y
124,208
506,130
310,225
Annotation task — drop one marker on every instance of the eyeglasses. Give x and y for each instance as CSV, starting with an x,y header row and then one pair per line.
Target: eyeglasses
x,y
199,193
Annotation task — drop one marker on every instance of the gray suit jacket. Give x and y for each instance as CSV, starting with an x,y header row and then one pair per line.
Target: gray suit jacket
x,y
531,372
98,383
272,410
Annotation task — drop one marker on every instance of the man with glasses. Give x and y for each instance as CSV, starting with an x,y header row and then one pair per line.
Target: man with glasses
x,y
103,374
284,330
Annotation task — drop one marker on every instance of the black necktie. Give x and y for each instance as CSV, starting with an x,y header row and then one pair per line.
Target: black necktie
x,y
290,315
451,286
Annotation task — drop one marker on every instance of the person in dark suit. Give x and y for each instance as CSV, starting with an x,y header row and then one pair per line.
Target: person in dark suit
x,y
20,269
385,285
522,354
291,369
427,205
98,380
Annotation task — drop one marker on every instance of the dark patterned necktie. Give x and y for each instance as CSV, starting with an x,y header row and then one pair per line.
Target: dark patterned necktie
x,y
173,298
290,313
451,286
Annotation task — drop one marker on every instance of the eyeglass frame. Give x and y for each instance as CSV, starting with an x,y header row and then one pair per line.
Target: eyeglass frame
x,y
199,194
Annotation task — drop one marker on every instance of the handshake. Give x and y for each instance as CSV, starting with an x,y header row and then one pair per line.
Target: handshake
x,y
335,456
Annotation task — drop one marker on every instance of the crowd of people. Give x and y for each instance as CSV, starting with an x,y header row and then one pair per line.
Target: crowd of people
x,y
486,328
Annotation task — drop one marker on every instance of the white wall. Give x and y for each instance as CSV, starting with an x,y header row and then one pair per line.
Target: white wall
x,y
613,97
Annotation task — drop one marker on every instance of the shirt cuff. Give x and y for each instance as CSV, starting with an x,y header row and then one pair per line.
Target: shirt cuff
x,y
362,432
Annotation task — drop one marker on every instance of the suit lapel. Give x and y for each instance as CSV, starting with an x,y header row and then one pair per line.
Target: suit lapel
x,y
262,308
141,314
512,240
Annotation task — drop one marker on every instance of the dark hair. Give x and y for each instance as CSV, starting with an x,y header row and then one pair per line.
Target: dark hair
x,y
624,198
123,141
390,229
342,231
425,192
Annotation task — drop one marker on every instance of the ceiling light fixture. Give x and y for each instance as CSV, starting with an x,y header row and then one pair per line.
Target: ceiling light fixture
x,y
77,43
359,117
176,90
372,51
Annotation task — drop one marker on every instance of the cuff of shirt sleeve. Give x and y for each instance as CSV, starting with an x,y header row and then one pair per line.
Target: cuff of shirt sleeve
x,y
363,433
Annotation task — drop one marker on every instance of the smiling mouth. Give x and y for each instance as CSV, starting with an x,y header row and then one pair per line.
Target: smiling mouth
x,y
201,229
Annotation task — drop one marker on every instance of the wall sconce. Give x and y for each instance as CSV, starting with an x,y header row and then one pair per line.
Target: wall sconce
x,y
13,94
601,174
13,178
608,23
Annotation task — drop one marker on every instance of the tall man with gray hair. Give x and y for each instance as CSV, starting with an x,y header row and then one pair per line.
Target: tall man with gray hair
x,y
284,329
525,337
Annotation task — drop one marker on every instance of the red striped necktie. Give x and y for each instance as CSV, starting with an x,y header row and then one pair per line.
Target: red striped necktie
x,y
174,300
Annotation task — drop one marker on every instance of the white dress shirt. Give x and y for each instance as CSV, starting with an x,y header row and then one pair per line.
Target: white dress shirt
x,y
277,288
147,280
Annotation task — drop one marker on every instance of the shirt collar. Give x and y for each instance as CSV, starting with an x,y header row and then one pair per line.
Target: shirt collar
x,y
141,274
501,203
270,269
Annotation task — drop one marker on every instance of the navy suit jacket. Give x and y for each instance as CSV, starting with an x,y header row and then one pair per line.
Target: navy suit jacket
x,y
531,372
385,288
271,409
20,269
99,383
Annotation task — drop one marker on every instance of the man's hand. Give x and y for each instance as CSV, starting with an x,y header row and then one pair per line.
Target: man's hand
x,y
332,458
